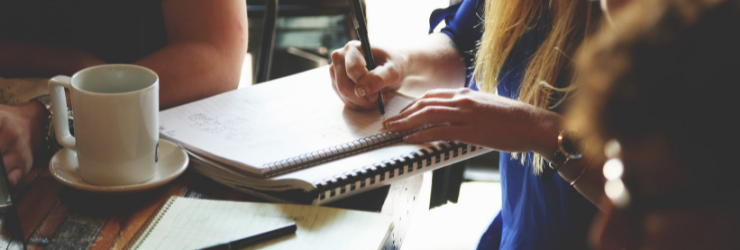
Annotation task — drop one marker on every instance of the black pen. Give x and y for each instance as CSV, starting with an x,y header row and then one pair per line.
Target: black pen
x,y
361,28
257,238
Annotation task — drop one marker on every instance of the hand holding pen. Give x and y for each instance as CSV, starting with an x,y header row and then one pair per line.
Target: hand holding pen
x,y
361,28
359,87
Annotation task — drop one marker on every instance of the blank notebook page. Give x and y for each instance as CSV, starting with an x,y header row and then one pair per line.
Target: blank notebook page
x,y
185,223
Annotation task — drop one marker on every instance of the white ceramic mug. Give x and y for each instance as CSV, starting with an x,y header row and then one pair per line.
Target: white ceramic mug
x,y
116,121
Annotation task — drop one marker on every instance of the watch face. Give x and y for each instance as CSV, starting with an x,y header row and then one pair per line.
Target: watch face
x,y
572,144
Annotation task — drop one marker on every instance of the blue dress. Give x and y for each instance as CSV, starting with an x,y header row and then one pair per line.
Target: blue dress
x,y
535,213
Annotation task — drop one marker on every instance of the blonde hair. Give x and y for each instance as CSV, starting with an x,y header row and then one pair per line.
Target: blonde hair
x,y
506,21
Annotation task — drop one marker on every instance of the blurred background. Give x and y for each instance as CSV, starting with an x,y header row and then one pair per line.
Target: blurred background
x,y
307,31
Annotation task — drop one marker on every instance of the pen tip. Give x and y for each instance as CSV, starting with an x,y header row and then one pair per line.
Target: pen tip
x,y
381,103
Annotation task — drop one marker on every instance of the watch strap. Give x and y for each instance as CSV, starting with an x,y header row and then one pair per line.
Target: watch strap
x,y
569,147
552,167
51,139
44,100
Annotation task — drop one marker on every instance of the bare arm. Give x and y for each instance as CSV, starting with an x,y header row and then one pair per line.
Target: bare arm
x,y
496,122
591,181
207,43
431,63
436,64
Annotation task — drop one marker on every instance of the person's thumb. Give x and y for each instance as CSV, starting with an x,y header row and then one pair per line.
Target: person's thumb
x,y
384,76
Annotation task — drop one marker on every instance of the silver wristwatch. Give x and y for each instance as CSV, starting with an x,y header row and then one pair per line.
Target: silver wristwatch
x,y
51,139
44,100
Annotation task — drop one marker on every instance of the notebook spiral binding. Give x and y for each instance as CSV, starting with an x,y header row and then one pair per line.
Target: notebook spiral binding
x,y
154,219
337,152
377,172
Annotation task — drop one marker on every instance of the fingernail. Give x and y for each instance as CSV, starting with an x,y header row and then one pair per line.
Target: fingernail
x,y
388,124
359,92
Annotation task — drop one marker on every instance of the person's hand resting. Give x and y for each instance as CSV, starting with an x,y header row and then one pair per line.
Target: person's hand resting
x,y
357,86
21,133
478,118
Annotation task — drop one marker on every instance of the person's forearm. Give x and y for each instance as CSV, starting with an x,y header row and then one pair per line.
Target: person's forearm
x,y
191,71
544,142
435,63
27,59
586,172
591,181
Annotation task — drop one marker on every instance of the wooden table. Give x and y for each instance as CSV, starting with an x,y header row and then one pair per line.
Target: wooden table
x,y
54,216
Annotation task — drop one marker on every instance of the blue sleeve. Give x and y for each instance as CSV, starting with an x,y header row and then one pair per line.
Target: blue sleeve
x,y
464,26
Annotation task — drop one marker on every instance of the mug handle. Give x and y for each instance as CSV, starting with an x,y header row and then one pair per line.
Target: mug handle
x,y
59,106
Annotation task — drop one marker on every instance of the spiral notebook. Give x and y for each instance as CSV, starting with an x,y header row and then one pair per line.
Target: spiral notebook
x,y
186,223
294,134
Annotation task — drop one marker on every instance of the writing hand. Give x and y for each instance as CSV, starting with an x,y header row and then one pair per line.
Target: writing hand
x,y
478,118
357,86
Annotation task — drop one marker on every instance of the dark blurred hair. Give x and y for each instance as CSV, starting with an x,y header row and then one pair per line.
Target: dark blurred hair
x,y
668,67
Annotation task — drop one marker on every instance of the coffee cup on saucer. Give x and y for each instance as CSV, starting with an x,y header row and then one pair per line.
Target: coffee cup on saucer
x,y
116,122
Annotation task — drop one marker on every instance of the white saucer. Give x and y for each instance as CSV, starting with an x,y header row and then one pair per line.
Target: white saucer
x,y
172,162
